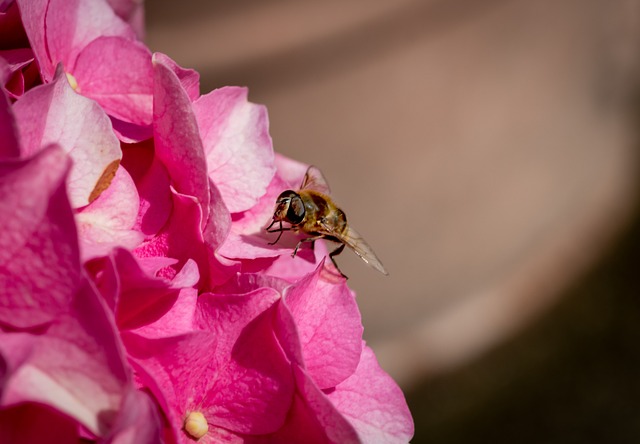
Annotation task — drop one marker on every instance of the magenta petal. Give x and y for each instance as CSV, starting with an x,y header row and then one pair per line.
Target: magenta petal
x,y
54,113
238,379
320,414
227,315
181,238
177,321
329,326
10,147
237,144
153,185
25,424
253,389
40,227
177,140
116,72
374,404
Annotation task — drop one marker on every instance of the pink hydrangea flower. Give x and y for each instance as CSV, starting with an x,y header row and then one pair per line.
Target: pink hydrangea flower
x,y
140,300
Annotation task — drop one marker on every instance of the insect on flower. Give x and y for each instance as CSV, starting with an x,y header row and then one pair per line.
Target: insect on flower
x,y
310,210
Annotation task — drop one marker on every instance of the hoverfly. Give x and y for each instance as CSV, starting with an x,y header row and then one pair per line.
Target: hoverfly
x,y
310,210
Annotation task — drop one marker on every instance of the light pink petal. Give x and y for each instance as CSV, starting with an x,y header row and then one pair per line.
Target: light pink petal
x,y
25,424
153,185
108,221
293,268
71,25
78,366
39,259
54,113
291,171
329,326
116,72
177,140
237,144
374,404
189,78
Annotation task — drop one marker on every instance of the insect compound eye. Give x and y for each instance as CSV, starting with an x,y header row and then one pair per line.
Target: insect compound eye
x,y
295,213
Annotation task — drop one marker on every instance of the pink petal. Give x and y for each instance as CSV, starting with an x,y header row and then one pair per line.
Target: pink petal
x,y
138,421
108,221
54,113
78,366
39,265
132,12
248,238
189,78
142,299
23,72
237,144
374,404
180,238
177,140
329,326
71,25
117,73
228,314
32,14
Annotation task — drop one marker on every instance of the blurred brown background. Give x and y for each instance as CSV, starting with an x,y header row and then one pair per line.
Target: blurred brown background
x,y
488,152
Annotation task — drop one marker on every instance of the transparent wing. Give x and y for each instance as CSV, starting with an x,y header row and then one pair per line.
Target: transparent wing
x,y
314,180
353,240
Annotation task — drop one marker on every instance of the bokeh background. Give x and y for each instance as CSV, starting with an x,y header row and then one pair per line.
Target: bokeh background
x,y
488,151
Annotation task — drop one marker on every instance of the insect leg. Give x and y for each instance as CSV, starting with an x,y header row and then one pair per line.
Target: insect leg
x,y
277,230
306,239
336,252
273,221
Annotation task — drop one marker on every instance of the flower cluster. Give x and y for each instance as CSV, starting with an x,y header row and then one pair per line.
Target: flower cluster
x,y
140,300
